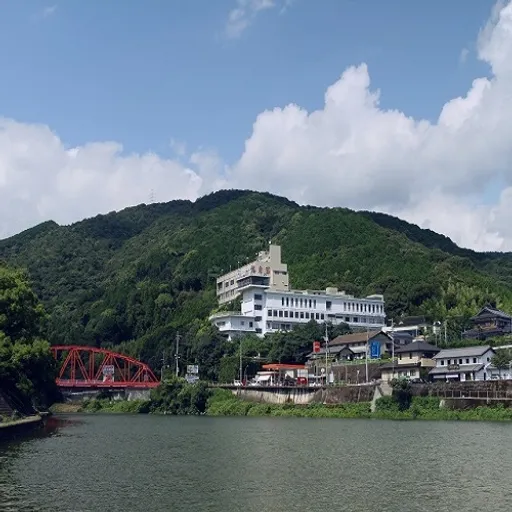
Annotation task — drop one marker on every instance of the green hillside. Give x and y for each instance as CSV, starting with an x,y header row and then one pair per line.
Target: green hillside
x,y
139,276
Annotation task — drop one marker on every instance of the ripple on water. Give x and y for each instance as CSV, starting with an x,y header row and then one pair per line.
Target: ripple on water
x,y
141,463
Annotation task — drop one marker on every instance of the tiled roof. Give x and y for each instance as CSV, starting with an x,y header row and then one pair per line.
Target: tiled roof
x,y
417,346
493,311
440,370
397,366
463,352
355,337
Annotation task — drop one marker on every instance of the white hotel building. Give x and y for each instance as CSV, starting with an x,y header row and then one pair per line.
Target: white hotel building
x,y
269,305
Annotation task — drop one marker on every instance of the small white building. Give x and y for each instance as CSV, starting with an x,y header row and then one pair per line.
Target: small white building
x,y
269,305
463,364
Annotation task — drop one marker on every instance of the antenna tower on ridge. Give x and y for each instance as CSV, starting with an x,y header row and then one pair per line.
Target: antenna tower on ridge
x,y
152,196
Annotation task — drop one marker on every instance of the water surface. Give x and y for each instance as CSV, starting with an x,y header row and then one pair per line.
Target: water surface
x,y
159,463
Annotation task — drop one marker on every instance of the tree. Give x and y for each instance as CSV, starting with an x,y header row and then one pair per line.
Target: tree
x,y
402,393
27,368
501,360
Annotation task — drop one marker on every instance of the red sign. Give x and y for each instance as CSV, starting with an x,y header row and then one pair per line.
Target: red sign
x,y
316,346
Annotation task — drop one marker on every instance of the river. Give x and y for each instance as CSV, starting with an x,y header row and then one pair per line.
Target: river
x,y
89,463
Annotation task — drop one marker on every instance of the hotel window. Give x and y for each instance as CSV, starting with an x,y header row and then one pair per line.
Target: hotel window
x,y
442,362
286,314
258,307
302,314
328,305
300,302
317,316
322,316
257,319
258,296
280,314
250,324
296,314
460,361
474,360
282,301
467,360
275,313
291,314
345,305
310,304
314,303
269,312
287,302
307,314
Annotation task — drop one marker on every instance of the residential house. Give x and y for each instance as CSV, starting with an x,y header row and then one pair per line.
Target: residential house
x,y
413,361
354,346
489,322
463,364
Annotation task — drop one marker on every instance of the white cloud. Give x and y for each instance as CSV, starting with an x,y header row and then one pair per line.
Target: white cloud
x,y
356,154
463,57
48,11
349,153
41,179
245,11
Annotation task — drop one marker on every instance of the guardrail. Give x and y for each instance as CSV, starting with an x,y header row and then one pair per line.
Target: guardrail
x,y
471,394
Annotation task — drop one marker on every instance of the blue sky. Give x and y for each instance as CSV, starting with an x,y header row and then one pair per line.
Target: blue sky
x,y
142,72
243,84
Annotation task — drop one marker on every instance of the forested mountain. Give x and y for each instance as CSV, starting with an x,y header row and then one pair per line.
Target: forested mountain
x,y
138,276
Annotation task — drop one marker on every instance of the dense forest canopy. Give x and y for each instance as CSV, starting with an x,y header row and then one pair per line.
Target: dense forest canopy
x,y
135,278
27,368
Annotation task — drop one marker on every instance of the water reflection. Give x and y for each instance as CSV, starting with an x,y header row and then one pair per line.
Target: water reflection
x,y
140,463
14,496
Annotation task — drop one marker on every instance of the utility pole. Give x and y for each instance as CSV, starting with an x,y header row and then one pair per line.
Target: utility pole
x,y
393,346
326,338
240,371
445,337
366,360
177,355
163,366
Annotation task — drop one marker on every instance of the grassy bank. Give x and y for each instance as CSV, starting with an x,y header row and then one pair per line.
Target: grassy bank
x,y
179,398
102,405
224,403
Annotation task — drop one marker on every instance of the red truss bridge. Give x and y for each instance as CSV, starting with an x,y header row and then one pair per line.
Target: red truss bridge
x,y
90,368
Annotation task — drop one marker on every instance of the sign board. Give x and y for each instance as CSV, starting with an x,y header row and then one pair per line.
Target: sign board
x,y
302,373
108,373
375,350
193,369
316,347
108,369
191,379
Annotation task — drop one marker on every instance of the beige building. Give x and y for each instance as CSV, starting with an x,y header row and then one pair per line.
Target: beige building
x,y
412,361
267,271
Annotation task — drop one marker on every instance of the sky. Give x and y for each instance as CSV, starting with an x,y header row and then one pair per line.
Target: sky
x,y
399,107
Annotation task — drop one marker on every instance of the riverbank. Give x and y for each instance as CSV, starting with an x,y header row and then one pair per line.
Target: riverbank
x,y
420,408
188,399
102,405
11,428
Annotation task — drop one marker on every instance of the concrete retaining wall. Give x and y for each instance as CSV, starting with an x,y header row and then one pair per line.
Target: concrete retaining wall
x,y
304,396
475,389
